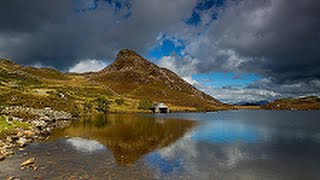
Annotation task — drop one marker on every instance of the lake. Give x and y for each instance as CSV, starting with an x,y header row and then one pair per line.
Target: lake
x,y
244,144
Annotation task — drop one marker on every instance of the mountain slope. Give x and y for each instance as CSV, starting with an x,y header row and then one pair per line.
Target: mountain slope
x,y
130,77
133,76
305,103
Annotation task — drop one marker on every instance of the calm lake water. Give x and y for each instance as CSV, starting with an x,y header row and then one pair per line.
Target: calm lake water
x,y
219,145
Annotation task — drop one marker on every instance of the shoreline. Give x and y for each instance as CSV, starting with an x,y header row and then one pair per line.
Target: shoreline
x,y
39,129
17,133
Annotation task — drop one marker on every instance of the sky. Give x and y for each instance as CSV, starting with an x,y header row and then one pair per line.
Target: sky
x,y
234,50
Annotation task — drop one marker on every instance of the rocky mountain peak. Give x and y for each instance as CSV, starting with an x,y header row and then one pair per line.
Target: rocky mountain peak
x,y
127,54
132,75
128,59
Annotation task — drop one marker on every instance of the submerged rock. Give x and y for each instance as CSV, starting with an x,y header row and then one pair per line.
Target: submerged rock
x,y
13,178
28,163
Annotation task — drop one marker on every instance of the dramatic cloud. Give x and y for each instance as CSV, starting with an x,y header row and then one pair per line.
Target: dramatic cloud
x,y
276,39
61,33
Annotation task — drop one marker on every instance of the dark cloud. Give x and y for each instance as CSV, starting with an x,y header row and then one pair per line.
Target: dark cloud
x,y
61,33
28,16
275,38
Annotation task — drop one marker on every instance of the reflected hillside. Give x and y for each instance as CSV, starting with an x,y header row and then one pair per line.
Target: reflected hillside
x,y
128,136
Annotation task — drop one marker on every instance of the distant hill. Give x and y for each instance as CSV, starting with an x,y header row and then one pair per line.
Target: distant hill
x,y
251,103
130,77
305,103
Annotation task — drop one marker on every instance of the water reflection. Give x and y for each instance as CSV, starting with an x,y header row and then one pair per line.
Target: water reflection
x,y
222,131
128,136
244,145
221,145
84,145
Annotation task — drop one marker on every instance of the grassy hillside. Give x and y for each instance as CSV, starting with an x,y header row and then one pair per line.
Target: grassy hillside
x,y
305,103
133,76
130,80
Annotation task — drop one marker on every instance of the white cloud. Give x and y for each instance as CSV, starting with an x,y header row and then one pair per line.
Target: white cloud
x,y
232,95
184,67
90,65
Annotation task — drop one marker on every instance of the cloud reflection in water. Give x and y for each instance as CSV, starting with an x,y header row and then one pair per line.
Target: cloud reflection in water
x,y
84,145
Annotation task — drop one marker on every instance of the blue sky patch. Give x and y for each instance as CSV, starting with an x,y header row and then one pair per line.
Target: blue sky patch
x,y
208,4
166,48
195,19
203,5
92,5
218,80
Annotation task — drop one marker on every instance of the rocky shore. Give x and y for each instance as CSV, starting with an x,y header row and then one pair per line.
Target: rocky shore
x,y
37,129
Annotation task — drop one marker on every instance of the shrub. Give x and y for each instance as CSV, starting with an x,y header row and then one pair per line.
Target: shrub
x,y
145,104
119,101
103,104
87,106
75,111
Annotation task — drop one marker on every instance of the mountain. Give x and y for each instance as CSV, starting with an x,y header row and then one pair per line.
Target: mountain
x,y
304,103
133,76
252,103
130,78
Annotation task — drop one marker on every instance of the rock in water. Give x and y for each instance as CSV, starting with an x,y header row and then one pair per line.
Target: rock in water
x,y
28,163
13,178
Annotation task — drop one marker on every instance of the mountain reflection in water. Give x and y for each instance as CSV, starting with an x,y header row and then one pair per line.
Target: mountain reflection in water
x,y
220,145
128,136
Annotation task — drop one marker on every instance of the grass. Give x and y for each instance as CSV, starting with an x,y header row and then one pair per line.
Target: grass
x,y
247,107
6,127
305,103
45,87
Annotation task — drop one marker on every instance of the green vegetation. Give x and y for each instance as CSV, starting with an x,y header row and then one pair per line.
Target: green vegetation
x,y
6,127
87,106
18,98
145,104
304,103
103,104
119,101
74,93
23,115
